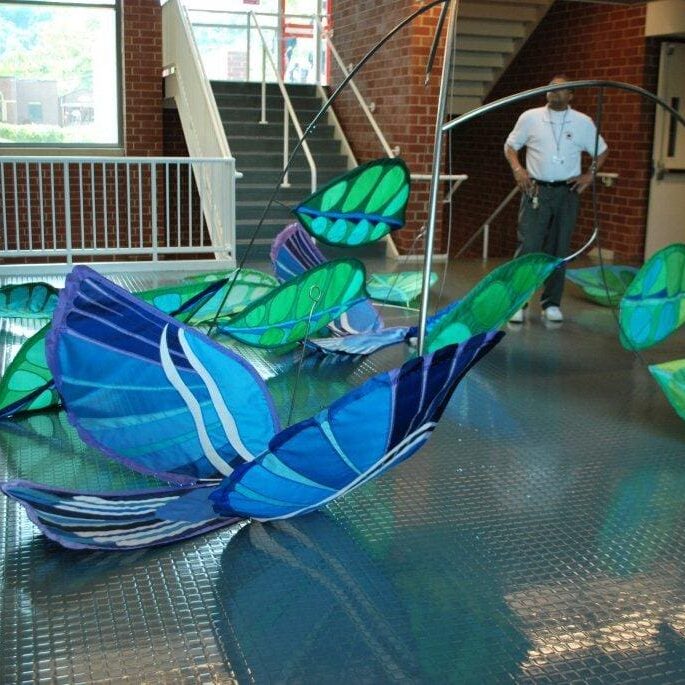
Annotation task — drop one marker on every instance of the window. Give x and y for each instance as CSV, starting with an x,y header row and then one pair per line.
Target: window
x,y
59,73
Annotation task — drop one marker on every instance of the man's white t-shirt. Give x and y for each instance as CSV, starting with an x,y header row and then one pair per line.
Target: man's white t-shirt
x,y
554,142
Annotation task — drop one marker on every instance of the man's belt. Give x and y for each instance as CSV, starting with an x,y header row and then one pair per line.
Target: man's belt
x,y
551,184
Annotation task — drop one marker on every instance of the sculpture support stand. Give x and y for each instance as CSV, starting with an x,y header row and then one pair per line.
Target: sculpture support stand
x,y
435,174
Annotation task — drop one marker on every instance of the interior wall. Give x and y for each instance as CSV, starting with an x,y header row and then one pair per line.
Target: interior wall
x,y
581,40
142,77
394,81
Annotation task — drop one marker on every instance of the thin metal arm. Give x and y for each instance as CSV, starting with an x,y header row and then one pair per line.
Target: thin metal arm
x,y
290,112
312,125
435,180
541,90
360,98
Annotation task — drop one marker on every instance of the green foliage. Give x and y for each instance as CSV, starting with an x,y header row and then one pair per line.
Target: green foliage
x,y
32,133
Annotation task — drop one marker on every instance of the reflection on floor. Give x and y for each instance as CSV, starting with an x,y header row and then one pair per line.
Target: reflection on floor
x,y
538,538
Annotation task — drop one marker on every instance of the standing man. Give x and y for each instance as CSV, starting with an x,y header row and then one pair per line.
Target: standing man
x,y
551,182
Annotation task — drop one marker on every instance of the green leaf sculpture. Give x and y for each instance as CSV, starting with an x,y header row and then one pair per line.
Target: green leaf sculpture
x,y
603,285
247,287
653,306
25,376
301,306
671,378
28,300
493,300
399,288
360,207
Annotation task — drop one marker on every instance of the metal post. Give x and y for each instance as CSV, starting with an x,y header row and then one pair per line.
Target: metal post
x,y
249,47
317,44
435,175
486,242
67,211
153,209
286,139
263,119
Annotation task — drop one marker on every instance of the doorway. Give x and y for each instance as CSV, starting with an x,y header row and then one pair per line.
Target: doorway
x,y
666,214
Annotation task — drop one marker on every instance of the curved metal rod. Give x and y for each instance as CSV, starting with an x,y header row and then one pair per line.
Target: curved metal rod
x,y
541,90
312,124
579,252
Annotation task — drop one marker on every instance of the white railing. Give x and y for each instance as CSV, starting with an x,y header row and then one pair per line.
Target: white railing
x,y
607,179
204,133
295,39
67,208
289,113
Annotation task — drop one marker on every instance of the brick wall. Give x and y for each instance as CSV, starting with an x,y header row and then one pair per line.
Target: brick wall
x,y
581,40
142,80
393,80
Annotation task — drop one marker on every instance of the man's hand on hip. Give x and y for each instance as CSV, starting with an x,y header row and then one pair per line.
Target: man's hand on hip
x,y
523,180
580,183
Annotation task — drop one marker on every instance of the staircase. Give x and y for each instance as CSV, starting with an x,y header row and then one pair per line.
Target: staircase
x,y
489,35
258,149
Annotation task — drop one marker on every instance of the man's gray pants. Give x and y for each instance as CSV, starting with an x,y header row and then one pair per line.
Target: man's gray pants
x,y
549,229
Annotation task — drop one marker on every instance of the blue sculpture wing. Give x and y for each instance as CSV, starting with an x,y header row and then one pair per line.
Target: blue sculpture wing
x,y
118,521
361,343
293,253
150,392
372,428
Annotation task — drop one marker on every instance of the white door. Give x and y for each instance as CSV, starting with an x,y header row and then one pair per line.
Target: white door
x,y
666,215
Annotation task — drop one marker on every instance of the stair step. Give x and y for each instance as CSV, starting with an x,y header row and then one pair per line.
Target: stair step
x,y
470,88
264,159
240,129
465,58
461,104
268,177
498,10
273,102
473,74
487,27
250,88
273,114
274,145
486,44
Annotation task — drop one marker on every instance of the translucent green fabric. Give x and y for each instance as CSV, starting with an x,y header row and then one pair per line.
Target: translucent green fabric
x,y
653,306
301,306
603,285
671,378
360,207
399,288
247,287
493,300
28,372
28,300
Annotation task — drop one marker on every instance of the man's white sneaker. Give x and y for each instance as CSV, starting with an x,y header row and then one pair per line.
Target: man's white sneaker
x,y
519,316
553,314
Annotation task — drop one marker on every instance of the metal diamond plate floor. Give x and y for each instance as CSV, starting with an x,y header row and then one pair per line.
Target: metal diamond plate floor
x,y
538,538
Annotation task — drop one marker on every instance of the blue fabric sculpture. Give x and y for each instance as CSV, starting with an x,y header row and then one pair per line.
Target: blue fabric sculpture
x,y
164,399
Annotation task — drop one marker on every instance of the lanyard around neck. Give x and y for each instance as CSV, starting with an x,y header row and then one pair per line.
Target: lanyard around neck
x,y
557,140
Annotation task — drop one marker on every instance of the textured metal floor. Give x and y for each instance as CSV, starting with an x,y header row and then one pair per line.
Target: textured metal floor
x,y
538,538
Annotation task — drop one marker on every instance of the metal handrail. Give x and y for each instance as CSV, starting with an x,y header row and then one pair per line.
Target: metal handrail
x,y
607,179
288,112
360,98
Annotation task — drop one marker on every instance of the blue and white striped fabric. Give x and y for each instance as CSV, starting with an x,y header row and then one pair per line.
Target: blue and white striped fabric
x,y
293,253
118,521
376,426
150,392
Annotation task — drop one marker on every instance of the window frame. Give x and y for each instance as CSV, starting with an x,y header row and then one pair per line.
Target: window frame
x,y
102,148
